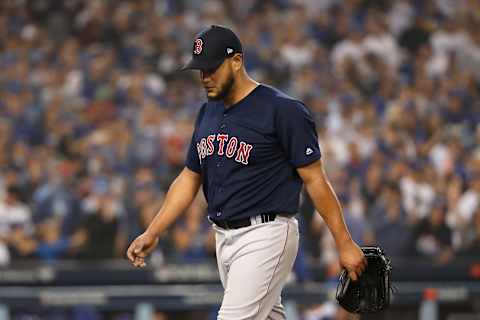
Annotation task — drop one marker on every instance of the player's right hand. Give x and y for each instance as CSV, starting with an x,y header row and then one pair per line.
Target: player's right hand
x,y
140,248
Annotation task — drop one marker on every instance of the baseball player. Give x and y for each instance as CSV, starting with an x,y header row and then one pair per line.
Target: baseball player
x,y
252,149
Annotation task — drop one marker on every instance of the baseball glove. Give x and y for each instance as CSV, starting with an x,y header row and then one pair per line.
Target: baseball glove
x,y
371,292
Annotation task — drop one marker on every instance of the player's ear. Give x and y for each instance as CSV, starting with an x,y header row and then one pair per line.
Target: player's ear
x,y
237,62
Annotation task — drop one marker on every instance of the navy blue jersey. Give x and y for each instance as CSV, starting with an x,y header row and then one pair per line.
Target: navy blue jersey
x,y
247,154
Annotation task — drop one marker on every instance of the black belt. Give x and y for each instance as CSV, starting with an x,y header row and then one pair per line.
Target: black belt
x,y
241,223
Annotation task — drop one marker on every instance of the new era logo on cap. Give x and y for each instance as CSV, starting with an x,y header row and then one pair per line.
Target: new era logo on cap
x,y
309,151
229,50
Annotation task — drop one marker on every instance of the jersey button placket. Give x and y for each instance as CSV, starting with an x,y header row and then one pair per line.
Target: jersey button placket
x,y
219,164
223,126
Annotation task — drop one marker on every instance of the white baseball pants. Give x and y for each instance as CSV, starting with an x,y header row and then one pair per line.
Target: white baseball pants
x,y
254,263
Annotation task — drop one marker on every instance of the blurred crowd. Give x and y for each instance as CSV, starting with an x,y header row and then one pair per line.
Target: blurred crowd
x,y
95,120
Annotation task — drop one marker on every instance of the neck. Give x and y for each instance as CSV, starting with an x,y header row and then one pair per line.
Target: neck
x,y
241,88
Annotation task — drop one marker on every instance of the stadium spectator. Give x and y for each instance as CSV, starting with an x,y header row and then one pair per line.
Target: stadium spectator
x,y
432,238
389,222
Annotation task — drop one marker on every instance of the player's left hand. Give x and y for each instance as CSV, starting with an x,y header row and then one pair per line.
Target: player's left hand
x,y
352,259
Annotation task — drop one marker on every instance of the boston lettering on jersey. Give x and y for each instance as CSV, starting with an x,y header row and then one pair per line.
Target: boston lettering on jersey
x,y
224,145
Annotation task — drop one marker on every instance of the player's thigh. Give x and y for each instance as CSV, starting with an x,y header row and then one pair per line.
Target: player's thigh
x,y
219,248
259,270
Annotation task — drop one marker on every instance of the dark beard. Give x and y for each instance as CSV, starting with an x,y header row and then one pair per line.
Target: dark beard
x,y
225,90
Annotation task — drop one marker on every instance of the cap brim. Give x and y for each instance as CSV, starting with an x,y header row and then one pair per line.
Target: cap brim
x,y
196,64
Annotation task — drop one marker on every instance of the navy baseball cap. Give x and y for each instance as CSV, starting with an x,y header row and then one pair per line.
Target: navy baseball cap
x,y
212,46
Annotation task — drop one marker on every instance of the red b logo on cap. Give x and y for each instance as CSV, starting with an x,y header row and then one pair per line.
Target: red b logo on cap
x,y
198,46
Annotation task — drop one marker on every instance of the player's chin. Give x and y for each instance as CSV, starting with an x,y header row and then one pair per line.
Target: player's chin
x,y
212,95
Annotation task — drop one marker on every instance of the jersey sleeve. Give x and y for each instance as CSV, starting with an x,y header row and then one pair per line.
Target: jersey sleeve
x,y
193,160
297,133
